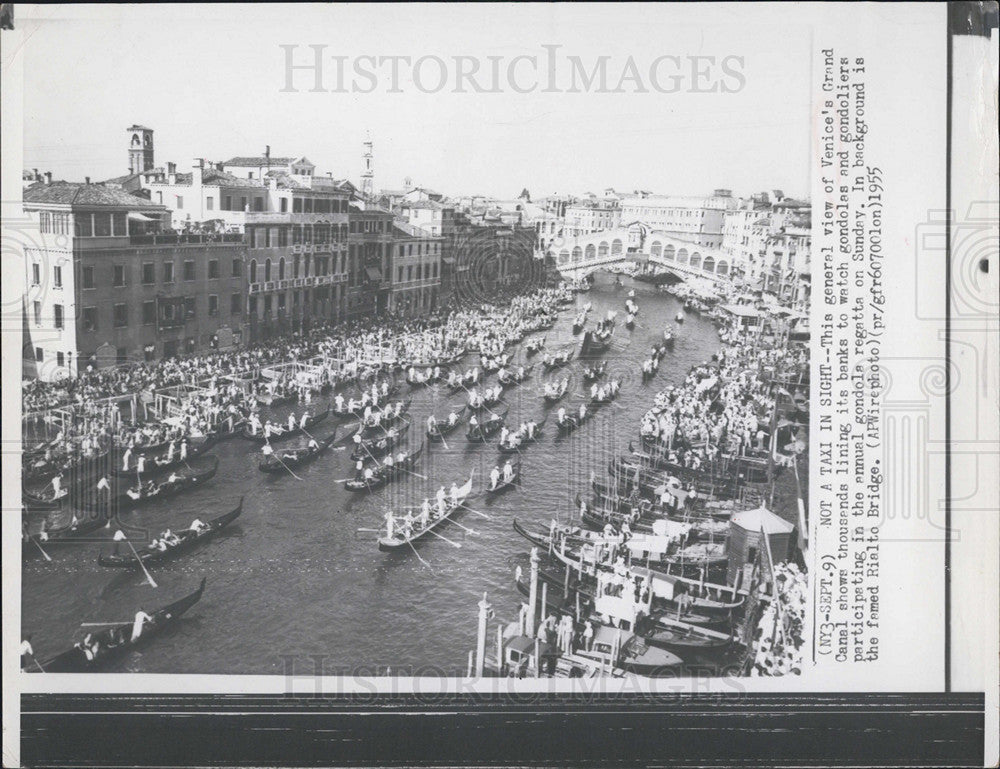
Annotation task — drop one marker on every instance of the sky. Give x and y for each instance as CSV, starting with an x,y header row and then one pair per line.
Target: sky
x,y
210,80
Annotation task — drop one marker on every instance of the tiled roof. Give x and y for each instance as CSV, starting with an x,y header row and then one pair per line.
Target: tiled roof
x,y
85,195
220,178
423,204
260,160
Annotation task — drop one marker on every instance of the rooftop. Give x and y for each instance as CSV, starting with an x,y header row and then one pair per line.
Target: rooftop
x,y
260,160
85,195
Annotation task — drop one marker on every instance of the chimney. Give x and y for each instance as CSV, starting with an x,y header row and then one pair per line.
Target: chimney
x,y
86,180
48,177
267,155
171,168
197,171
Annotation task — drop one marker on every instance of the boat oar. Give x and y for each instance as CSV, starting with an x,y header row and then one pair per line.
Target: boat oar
x,y
287,468
418,554
42,550
484,515
453,544
120,537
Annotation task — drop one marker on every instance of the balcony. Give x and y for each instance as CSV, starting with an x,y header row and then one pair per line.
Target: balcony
x,y
186,239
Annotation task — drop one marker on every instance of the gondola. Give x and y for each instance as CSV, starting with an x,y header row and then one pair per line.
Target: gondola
x,y
187,538
310,423
514,378
502,484
493,400
465,381
525,441
195,476
161,463
384,473
596,342
483,431
288,458
593,373
561,388
72,467
386,420
573,421
424,376
557,361
534,346
679,318
71,533
379,446
494,364
224,429
630,321
116,640
668,337
397,539
609,397
442,427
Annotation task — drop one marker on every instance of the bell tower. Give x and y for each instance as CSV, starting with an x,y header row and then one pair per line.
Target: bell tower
x,y
368,169
140,149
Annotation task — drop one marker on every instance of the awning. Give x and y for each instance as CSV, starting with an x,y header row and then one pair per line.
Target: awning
x,y
374,273
135,216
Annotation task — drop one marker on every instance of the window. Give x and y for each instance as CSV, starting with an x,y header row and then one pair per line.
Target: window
x,y
39,355
57,315
237,268
38,313
253,270
210,203
235,304
120,222
83,225
102,225
148,274
243,204
399,279
227,203
60,359
284,205
213,304
36,273
213,268
180,201
258,204
89,318
122,355
189,307
87,276
121,315
168,272
57,276
148,313
189,269
119,276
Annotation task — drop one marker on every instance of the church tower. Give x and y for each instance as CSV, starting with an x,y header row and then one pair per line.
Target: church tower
x,y
368,170
140,149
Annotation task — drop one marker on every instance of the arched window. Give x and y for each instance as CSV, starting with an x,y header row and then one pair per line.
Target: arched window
x,y
281,268
656,249
577,254
602,250
723,268
305,266
253,270
682,256
709,264
295,266
591,253
668,253
267,271
616,247
563,256
696,259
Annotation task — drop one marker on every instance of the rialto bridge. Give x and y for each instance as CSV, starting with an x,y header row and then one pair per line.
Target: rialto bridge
x,y
636,244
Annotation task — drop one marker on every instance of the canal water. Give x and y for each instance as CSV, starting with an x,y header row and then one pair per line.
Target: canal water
x,y
297,574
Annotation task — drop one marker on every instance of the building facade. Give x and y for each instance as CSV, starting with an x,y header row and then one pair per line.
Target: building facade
x,y
110,284
415,271
696,220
